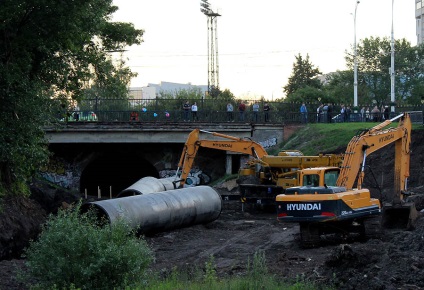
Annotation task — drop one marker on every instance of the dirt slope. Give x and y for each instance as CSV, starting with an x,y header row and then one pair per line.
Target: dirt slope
x,y
394,261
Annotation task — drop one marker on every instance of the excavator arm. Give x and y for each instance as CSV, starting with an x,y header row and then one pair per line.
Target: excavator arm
x,y
233,144
369,141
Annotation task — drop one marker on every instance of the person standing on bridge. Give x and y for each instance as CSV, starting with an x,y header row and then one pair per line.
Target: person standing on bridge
x,y
186,109
266,112
386,113
194,112
230,110
255,108
242,108
304,113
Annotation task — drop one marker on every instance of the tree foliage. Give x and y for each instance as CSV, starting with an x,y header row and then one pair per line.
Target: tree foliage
x,y
76,250
307,94
374,63
339,88
168,101
51,51
304,74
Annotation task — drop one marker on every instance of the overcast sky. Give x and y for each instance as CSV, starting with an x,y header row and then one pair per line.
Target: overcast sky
x,y
257,40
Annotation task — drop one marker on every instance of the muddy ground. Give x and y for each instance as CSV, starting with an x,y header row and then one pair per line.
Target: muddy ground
x,y
395,260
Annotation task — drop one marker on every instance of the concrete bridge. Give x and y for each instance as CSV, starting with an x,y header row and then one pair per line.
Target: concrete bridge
x,y
109,157
161,132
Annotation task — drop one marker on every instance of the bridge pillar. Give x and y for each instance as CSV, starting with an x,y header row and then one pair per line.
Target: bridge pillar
x,y
229,164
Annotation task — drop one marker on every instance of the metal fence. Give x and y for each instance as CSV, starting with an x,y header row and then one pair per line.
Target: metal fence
x,y
214,111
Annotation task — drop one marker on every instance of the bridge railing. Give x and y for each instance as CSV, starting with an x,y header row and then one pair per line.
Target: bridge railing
x,y
214,111
210,116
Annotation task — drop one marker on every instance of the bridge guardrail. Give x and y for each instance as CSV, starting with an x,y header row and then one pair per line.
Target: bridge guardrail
x,y
207,116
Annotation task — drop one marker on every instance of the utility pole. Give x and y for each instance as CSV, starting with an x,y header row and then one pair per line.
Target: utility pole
x,y
355,61
213,66
392,67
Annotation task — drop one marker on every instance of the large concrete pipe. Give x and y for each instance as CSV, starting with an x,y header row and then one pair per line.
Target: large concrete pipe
x,y
170,183
163,210
150,184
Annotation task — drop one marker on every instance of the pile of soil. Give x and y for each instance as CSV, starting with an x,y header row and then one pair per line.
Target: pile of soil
x,y
394,260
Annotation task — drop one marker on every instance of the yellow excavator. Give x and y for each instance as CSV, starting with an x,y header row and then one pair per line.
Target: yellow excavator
x,y
277,173
322,206
272,174
231,143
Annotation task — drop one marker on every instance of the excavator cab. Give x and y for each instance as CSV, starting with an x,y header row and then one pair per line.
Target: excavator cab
x,y
319,176
311,180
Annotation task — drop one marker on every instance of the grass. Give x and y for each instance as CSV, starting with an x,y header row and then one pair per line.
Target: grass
x,y
257,277
328,138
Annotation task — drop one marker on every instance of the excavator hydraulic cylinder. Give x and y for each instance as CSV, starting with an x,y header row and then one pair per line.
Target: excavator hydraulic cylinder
x,y
161,211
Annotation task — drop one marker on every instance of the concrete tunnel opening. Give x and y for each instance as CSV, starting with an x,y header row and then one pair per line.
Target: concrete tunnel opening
x,y
113,172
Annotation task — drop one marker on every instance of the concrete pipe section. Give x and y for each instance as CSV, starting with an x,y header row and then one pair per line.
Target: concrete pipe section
x,y
163,210
150,185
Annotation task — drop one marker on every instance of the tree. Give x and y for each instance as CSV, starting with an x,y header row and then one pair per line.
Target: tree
x,y
339,87
50,51
410,73
219,102
307,94
304,75
374,62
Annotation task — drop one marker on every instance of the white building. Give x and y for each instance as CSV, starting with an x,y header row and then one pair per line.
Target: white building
x,y
419,17
152,90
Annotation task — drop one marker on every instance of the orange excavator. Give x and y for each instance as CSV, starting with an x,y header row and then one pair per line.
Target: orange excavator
x,y
322,207
234,144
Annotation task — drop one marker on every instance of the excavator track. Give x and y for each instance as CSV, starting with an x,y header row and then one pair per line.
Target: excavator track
x,y
309,235
372,228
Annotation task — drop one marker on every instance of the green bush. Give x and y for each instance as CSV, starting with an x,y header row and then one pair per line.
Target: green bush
x,y
74,249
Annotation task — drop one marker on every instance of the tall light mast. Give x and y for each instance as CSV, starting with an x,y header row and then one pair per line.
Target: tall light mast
x,y
213,66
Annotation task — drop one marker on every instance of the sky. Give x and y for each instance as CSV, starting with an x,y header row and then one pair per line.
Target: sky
x,y
257,40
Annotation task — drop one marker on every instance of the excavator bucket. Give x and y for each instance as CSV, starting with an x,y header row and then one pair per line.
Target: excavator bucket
x,y
400,216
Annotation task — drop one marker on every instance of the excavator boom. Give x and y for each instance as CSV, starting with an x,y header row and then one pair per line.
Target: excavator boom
x,y
369,141
234,144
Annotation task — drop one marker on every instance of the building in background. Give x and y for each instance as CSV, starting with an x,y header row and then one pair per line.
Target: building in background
x,y
419,17
152,90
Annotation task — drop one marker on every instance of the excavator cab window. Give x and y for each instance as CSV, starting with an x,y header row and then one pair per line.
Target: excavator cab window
x,y
330,177
311,180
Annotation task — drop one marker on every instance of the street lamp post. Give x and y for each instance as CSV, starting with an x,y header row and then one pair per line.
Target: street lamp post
x,y
392,67
355,62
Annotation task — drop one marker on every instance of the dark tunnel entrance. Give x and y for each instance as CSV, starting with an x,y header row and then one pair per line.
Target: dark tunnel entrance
x,y
113,171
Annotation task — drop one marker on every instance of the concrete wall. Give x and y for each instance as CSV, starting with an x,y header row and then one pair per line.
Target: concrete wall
x,y
114,159
268,137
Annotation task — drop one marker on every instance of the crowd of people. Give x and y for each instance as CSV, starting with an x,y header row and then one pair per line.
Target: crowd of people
x,y
241,108
325,113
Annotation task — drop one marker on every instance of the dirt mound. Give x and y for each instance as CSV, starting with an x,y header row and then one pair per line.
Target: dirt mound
x,y
20,220
21,217
393,262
